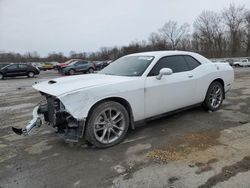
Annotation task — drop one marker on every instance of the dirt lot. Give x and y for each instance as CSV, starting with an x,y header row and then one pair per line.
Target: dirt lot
x,y
190,149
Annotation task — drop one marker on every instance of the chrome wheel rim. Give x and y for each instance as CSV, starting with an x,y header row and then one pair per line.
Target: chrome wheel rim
x,y
31,74
71,72
91,70
1,76
215,97
109,125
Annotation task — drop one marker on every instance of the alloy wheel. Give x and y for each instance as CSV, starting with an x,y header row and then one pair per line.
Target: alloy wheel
x,y
215,96
109,125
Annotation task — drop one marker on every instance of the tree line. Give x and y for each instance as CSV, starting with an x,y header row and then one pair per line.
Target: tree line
x,y
214,35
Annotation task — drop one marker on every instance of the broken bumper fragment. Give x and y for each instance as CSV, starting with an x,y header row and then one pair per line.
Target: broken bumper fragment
x,y
36,122
56,117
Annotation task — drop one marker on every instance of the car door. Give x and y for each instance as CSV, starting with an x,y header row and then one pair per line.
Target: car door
x,y
171,92
12,70
82,66
22,69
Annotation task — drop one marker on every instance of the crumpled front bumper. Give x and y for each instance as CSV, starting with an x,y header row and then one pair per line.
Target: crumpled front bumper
x,y
62,122
35,123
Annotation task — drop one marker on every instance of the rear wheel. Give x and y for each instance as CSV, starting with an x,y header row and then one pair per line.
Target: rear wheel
x,y
107,125
71,72
214,96
1,76
31,74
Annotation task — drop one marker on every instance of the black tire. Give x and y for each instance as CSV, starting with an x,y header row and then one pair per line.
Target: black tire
x,y
1,76
31,74
212,97
237,65
72,72
91,70
90,133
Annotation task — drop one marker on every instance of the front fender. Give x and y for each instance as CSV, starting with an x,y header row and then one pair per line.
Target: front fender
x,y
78,104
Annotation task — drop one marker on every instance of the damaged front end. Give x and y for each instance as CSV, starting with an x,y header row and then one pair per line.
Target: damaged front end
x,y
55,115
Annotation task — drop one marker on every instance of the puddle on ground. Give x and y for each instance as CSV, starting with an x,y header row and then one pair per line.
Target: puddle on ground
x,y
228,172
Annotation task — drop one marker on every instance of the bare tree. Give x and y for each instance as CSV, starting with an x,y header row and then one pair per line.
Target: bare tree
x,y
234,18
173,34
208,31
248,33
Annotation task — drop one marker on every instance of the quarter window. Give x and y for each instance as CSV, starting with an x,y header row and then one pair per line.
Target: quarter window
x,y
176,63
192,63
23,66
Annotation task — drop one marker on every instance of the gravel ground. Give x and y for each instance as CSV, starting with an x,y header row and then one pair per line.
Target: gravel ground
x,y
194,148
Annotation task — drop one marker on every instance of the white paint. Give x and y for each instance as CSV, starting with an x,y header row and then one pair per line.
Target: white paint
x,y
147,96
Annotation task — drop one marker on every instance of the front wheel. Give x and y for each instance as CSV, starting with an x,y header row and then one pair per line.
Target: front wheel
x,y
1,76
71,72
91,70
31,74
107,125
214,96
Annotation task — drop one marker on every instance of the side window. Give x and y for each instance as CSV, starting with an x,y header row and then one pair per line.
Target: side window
x,y
176,63
22,66
12,67
81,63
192,63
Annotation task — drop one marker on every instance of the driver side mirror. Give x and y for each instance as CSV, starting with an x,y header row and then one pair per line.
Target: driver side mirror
x,y
164,71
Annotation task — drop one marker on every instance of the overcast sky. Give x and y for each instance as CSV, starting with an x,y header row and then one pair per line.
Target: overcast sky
x,y
86,25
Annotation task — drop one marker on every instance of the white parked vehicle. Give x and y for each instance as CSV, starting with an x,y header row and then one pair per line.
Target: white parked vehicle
x,y
102,107
242,63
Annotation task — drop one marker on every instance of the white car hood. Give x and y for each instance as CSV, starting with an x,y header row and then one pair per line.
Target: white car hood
x,y
65,85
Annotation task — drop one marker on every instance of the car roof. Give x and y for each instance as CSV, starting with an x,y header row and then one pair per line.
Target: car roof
x,y
163,53
160,54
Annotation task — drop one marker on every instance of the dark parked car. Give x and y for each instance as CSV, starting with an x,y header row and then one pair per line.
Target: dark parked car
x,y
101,64
3,65
79,66
18,69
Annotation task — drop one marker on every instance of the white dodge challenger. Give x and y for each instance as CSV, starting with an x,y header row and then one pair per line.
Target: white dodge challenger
x,y
137,87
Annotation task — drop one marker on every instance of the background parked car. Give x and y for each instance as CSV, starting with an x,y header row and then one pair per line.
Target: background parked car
x,y
101,64
17,69
37,65
79,66
54,63
60,66
242,63
46,66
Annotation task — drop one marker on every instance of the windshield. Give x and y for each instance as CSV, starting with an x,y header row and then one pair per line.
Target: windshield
x,y
128,66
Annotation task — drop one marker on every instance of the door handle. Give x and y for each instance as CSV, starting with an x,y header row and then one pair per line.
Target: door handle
x,y
190,76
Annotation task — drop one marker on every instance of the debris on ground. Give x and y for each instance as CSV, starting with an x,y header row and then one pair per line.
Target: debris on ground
x,y
119,169
172,154
193,142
